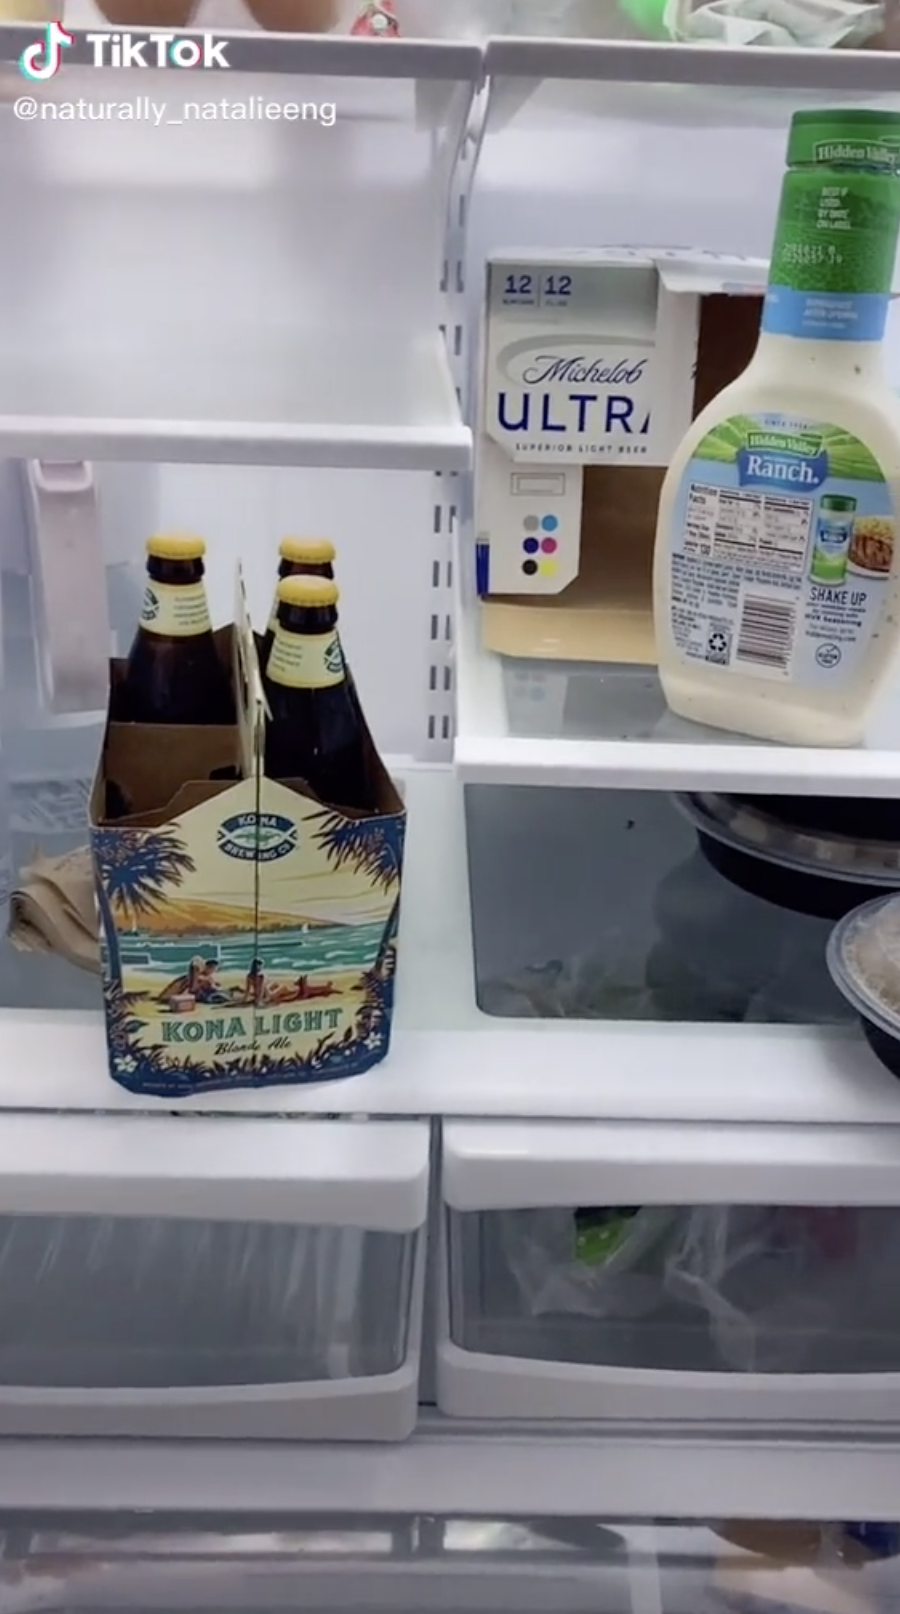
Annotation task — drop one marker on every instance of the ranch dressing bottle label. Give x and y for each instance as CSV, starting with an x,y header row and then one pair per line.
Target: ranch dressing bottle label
x,y
836,237
782,527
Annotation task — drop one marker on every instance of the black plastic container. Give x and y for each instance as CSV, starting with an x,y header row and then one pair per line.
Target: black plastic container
x,y
807,854
853,818
869,938
885,1046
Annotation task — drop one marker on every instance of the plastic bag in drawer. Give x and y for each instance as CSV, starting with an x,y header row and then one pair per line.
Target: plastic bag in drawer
x,y
788,24
774,1283
603,1263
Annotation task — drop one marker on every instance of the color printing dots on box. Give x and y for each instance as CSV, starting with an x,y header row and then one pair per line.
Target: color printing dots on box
x,y
533,545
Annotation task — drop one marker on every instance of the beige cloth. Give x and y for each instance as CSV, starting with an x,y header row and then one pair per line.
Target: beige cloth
x,y
54,909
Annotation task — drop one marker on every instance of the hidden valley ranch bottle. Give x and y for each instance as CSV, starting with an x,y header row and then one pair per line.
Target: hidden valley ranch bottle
x,y
777,561
173,673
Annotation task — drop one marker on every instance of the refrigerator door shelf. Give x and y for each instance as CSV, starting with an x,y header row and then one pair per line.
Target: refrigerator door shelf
x,y
69,585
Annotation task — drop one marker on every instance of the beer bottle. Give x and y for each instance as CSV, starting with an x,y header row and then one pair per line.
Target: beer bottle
x,y
173,674
300,557
316,732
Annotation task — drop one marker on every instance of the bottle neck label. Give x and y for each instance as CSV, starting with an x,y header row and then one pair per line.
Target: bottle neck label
x,y
175,610
306,661
833,257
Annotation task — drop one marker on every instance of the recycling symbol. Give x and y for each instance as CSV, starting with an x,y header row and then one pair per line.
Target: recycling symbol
x,y
718,644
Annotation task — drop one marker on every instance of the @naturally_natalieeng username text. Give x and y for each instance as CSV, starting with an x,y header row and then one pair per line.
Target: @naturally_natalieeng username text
x,y
144,109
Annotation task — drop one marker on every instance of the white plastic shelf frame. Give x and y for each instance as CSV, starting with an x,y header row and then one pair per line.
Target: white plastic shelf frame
x,y
372,1563
611,144
239,267
815,1097
514,726
450,1466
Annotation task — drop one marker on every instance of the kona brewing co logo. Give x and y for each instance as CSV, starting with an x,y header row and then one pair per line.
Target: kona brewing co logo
x,y
334,661
150,607
257,837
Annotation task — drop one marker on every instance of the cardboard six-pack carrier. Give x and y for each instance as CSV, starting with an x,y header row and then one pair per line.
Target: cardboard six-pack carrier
x,y
593,365
248,929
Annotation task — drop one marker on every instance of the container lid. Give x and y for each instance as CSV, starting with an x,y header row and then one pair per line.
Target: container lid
x,y
176,546
311,591
836,501
846,137
864,959
315,551
737,823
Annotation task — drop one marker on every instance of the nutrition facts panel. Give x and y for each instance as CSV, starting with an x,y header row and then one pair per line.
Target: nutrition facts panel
x,y
740,525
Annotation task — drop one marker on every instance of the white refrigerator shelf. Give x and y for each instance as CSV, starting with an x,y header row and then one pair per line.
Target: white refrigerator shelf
x,y
600,61
555,82
639,744
447,1058
642,62
457,1469
288,55
296,330
244,395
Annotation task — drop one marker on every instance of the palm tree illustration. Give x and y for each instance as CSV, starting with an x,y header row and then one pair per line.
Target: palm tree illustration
x,y
373,847
135,868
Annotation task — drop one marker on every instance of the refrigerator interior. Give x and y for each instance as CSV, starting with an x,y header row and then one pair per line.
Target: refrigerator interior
x,y
618,918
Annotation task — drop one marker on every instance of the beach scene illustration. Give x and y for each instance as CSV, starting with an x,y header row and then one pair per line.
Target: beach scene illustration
x,y
253,939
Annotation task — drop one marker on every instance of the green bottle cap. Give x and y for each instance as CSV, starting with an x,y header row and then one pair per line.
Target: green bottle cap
x,y
845,139
836,501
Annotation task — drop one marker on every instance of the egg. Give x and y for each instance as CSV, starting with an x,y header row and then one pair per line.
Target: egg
x,y
295,16
29,11
147,13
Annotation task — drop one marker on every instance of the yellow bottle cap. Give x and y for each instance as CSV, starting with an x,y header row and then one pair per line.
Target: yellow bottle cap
x,y
176,546
315,551
312,591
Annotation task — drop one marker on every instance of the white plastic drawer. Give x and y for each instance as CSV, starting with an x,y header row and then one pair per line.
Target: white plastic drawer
x,y
353,1565
710,1273
182,1276
485,1566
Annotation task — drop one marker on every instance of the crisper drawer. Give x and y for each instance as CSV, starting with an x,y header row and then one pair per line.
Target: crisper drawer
x,y
257,1565
182,1276
611,1271
480,1565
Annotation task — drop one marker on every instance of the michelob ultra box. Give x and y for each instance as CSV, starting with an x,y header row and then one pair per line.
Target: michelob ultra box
x,y
593,365
248,930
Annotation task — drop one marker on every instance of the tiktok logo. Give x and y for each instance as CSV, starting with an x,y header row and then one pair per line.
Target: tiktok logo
x,y
44,58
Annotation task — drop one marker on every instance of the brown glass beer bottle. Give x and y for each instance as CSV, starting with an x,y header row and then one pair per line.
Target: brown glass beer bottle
x,y
173,673
316,732
299,557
